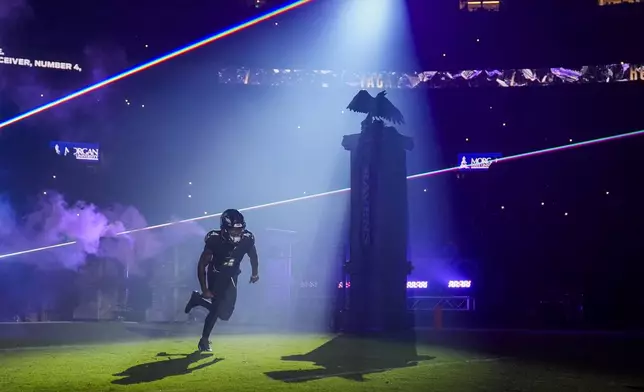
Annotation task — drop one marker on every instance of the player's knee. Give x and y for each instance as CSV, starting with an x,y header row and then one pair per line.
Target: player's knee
x,y
225,315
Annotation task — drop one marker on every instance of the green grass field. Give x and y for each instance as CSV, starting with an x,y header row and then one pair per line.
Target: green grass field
x,y
284,362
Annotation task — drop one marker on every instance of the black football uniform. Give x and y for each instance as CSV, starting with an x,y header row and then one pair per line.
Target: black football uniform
x,y
224,268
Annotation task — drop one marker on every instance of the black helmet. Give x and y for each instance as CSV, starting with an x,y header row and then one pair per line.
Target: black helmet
x,y
232,225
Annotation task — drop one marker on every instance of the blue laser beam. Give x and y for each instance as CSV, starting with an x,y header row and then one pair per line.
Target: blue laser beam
x,y
157,61
345,190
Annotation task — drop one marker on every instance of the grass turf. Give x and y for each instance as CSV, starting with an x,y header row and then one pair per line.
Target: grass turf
x,y
285,362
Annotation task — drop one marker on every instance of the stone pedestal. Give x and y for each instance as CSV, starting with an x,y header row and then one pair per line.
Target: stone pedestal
x,y
378,266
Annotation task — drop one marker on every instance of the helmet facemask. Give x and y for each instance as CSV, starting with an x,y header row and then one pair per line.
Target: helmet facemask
x,y
235,232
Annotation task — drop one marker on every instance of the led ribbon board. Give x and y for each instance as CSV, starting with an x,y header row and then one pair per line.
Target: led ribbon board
x,y
5,59
477,161
81,151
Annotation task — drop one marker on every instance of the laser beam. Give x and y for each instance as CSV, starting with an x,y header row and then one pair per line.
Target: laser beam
x,y
158,61
564,147
338,191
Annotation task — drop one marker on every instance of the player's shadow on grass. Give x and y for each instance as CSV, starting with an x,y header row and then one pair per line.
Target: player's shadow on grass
x,y
352,358
173,365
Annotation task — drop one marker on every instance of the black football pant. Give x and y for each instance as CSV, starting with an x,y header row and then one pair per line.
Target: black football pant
x,y
224,288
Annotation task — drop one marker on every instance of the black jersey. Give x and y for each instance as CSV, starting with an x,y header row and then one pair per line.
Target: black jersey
x,y
226,255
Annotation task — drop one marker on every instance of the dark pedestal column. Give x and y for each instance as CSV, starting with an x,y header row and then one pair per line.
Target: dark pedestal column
x,y
378,266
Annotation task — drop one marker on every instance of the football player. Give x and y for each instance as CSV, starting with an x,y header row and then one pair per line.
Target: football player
x,y
218,270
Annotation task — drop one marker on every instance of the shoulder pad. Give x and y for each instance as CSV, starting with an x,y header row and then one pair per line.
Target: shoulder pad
x,y
249,235
211,234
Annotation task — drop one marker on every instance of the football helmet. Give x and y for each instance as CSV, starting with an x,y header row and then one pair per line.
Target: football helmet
x,y
232,225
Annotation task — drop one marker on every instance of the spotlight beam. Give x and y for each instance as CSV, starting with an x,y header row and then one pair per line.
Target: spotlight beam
x,y
158,61
338,191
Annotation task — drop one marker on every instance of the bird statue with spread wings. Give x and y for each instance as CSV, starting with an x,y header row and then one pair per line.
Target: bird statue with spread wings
x,y
378,108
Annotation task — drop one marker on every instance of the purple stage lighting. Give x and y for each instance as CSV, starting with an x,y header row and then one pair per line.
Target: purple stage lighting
x,y
459,284
410,285
417,285
344,190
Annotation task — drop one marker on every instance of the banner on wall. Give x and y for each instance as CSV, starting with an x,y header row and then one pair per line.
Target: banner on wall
x,y
477,161
80,151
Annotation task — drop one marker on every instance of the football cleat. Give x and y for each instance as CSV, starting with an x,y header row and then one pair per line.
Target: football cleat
x,y
195,297
204,345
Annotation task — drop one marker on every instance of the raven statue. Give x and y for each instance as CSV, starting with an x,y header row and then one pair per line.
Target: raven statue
x,y
379,108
